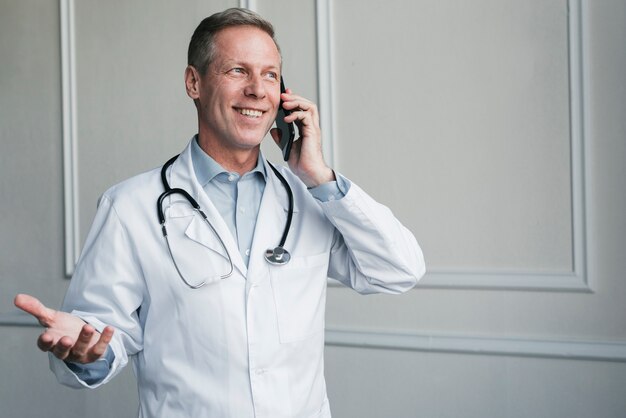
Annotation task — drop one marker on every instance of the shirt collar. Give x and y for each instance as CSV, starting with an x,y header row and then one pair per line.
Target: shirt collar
x,y
206,168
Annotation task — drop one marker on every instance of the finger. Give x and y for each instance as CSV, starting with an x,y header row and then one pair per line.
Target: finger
x,y
100,347
45,342
289,97
62,348
301,117
82,343
295,104
34,307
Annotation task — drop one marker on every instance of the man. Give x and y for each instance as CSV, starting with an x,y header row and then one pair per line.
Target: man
x,y
250,344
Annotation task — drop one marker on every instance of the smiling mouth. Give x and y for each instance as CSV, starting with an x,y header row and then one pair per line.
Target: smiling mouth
x,y
250,112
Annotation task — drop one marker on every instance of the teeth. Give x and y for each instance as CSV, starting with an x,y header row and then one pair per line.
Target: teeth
x,y
251,112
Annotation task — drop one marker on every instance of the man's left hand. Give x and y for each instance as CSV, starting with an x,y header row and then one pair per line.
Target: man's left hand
x,y
306,159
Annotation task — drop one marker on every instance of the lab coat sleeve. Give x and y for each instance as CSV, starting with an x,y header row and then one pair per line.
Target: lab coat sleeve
x,y
106,289
372,251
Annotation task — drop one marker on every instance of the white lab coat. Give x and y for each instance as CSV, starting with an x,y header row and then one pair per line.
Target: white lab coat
x,y
250,345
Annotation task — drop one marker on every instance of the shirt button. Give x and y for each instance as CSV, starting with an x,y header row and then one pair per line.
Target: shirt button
x,y
242,209
260,372
248,251
331,198
231,177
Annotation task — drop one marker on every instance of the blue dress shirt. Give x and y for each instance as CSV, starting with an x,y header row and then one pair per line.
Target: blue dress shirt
x,y
237,198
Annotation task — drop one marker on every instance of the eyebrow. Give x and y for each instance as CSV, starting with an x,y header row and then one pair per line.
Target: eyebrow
x,y
229,62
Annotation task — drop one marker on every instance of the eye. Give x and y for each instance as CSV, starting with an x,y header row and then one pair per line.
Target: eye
x,y
237,70
272,75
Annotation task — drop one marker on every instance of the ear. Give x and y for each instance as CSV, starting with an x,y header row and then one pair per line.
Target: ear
x,y
192,82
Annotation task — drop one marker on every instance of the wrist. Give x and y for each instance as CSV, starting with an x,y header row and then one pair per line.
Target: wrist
x,y
323,176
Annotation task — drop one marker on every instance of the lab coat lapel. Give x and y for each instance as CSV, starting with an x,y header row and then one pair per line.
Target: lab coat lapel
x,y
269,226
183,176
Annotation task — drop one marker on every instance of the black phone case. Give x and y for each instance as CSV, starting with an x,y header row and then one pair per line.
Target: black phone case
x,y
287,130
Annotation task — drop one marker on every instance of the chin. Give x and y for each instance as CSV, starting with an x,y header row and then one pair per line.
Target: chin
x,y
250,141
248,144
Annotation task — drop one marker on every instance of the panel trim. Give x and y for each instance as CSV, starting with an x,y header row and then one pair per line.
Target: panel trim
x,y
463,344
325,90
248,4
613,351
579,134
18,319
575,280
70,138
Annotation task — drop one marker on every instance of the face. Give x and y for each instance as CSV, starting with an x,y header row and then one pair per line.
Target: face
x,y
239,94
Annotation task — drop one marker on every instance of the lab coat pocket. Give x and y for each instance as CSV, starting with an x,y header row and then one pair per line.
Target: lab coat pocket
x,y
196,250
299,289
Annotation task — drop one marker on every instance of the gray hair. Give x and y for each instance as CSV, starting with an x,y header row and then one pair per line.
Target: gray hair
x,y
201,50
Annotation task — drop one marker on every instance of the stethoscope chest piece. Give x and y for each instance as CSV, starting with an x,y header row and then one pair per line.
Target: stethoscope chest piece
x,y
277,256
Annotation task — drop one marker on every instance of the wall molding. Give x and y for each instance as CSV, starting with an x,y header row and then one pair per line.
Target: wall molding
x,y
69,111
70,137
18,319
589,350
325,81
248,4
612,351
575,280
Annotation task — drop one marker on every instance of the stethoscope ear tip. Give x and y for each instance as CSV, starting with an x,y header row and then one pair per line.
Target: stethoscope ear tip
x,y
277,256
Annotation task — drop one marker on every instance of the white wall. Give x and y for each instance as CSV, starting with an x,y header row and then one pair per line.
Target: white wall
x,y
494,129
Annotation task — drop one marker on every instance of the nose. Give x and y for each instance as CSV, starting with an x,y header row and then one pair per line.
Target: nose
x,y
255,87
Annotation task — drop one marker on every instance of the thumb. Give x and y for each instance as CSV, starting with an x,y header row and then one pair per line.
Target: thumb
x,y
34,307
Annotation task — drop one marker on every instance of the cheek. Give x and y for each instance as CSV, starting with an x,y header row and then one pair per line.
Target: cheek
x,y
215,101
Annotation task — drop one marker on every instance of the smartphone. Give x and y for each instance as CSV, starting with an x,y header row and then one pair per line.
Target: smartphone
x,y
286,130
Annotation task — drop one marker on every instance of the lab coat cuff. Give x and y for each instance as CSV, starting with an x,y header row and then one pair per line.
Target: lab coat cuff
x,y
69,378
333,190
95,372
355,208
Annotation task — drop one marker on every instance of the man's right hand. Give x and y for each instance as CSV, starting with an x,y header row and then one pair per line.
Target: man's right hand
x,y
66,336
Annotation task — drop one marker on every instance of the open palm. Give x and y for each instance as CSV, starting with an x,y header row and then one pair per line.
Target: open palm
x,y
66,336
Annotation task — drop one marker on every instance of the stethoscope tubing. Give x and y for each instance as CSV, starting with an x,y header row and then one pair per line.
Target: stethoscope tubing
x,y
282,179
276,256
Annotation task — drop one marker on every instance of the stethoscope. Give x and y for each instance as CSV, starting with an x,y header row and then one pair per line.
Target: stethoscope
x,y
276,256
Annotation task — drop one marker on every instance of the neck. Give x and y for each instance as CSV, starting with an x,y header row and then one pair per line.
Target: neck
x,y
238,160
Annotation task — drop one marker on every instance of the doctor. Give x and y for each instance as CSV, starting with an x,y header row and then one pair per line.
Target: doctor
x,y
250,344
